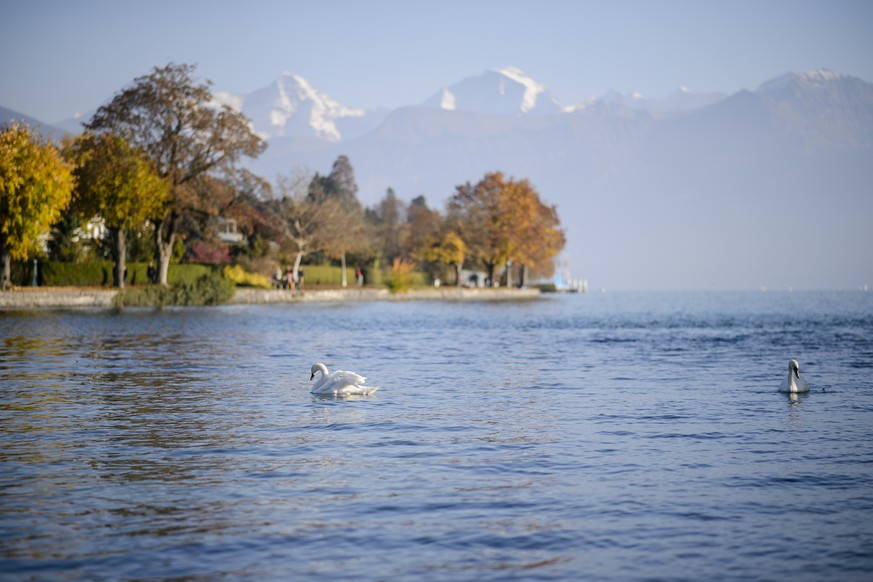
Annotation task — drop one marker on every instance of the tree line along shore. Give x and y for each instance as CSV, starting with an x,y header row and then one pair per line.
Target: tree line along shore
x,y
154,185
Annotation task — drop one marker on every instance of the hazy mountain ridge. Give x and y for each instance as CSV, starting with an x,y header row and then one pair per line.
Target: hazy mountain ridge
x,y
781,171
8,116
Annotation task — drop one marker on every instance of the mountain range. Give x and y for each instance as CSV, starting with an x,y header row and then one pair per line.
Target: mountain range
x,y
765,187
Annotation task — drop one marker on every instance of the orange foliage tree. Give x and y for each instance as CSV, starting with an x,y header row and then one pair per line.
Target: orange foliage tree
x,y
504,222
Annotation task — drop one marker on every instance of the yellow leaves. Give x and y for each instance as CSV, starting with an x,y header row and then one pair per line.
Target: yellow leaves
x,y
450,250
35,187
239,276
117,182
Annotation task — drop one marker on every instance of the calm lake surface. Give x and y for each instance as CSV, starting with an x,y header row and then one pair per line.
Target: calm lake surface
x,y
596,437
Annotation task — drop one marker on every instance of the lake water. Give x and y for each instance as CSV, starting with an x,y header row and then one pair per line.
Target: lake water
x,y
620,436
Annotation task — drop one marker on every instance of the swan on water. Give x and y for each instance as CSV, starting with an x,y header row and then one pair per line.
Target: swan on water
x,y
339,382
793,383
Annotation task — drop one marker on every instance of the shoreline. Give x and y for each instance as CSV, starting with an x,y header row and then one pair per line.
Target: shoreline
x,y
28,298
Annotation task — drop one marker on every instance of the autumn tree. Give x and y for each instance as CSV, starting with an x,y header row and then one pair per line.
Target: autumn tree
x,y
503,221
476,211
542,242
117,183
532,232
173,119
450,250
36,186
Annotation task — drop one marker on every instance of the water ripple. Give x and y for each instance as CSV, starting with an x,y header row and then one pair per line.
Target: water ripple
x,y
623,436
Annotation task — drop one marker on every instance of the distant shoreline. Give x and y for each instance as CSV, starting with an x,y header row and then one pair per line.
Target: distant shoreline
x,y
27,298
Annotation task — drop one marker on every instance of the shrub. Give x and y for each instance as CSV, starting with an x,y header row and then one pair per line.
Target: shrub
x,y
209,289
400,278
238,276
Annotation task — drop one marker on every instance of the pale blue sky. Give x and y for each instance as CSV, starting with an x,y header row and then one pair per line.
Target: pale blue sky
x,y
58,57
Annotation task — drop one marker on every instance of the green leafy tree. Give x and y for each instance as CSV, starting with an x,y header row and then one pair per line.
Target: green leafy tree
x,y
117,183
173,119
36,186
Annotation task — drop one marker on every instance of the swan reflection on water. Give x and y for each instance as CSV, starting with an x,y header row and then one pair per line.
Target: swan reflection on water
x,y
342,397
795,398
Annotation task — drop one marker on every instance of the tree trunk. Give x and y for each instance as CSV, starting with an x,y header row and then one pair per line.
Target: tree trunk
x,y
489,267
508,268
459,266
7,269
523,276
119,254
164,248
297,260
343,263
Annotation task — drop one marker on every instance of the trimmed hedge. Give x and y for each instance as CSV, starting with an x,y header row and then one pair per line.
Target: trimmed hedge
x,y
373,277
98,273
326,275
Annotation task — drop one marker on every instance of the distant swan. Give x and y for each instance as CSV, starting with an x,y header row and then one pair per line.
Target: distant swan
x,y
793,383
339,382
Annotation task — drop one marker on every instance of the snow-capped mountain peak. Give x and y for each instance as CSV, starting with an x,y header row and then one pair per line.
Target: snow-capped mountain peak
x,y
507,91
291,106
822,75
532,89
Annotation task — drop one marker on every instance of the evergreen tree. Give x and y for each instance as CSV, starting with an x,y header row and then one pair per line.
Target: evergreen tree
x,y
389,223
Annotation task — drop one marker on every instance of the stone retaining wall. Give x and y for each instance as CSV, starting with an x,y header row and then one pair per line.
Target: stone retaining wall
x,y
249,296
48,297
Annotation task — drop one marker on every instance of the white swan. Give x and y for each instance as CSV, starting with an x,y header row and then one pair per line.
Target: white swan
x,y
793,383
339,382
